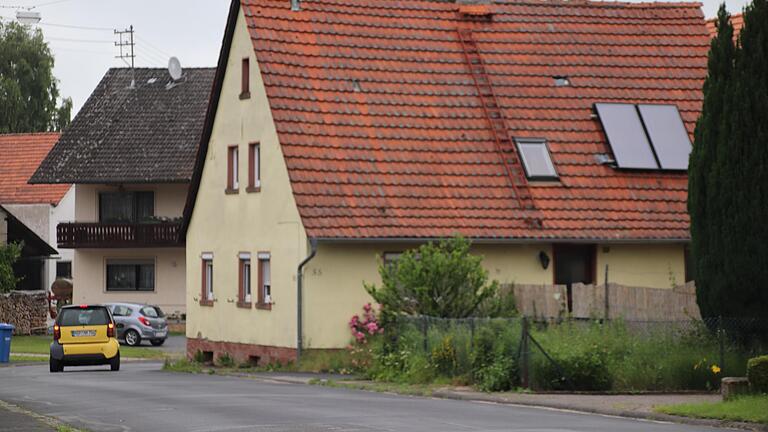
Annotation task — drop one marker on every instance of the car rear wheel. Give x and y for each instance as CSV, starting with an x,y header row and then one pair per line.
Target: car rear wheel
x,y
114,363
157,342
56,365
132,338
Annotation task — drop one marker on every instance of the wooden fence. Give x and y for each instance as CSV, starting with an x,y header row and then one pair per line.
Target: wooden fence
x,y
630,303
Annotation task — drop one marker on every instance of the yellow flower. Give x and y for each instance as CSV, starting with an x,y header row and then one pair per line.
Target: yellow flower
x,y
715,369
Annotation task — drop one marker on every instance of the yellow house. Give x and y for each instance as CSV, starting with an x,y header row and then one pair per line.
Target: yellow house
x,y
555,136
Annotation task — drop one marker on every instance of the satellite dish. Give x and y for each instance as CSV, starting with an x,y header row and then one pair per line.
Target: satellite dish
x,y
174,68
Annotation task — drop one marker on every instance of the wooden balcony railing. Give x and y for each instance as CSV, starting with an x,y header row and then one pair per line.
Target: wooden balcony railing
x,y
117,235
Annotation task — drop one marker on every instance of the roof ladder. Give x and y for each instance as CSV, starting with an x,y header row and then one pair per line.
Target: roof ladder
x,y
495,116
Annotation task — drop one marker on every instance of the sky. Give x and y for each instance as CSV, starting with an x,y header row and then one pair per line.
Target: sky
x,y
81,36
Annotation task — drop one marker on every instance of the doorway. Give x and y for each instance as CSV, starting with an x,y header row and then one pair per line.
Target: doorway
x,y
574,264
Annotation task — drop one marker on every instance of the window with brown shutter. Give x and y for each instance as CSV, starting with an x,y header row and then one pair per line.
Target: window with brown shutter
x,y
245,83
233,181
265,281
254,167
206,279
244,280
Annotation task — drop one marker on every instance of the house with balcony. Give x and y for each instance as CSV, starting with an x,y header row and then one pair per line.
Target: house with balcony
x,y
129,153
555,135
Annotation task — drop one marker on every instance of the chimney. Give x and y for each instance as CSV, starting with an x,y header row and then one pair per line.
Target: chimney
x,y
295,5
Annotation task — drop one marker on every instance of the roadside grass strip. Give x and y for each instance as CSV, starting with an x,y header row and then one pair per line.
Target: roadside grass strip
x,y
21,345
746,408
50,421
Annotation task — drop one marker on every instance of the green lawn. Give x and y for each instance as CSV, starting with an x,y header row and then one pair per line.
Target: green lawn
x,y
41,345
746,408
15,358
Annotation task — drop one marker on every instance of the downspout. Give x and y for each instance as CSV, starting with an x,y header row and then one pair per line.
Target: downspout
x,y
299,290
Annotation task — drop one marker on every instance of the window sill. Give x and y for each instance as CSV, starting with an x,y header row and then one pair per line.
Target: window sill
x,y
252,189
229,191
244,305
208,303
246,95
264,306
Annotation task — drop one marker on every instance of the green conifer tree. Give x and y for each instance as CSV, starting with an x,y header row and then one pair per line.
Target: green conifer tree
x,y
728,172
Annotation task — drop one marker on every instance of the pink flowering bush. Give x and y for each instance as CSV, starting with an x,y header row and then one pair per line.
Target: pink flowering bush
x,y
363,328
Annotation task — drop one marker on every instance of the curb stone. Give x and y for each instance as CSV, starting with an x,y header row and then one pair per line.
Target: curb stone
x,y
480,397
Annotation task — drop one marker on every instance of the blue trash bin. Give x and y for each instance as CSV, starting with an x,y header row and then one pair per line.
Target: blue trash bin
x,y
6,330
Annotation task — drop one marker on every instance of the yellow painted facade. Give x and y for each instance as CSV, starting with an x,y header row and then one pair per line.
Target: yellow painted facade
x,y
89,265
228,224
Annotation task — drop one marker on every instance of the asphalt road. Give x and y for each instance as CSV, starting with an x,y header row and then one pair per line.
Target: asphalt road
x,y
141,397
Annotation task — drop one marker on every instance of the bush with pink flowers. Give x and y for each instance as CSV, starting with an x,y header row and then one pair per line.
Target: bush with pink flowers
x,y
365,326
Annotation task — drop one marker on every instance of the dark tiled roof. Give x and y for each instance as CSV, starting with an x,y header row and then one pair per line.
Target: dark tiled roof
x,y
124,135
20,155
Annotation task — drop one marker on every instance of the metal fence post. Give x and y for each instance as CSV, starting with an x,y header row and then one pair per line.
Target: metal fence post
x,y
524,378
721,337
425,330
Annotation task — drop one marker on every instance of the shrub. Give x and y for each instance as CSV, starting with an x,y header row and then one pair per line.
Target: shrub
x,y
8,255
440,279
757,373
444,357
226,360
587,369
199,357
494,357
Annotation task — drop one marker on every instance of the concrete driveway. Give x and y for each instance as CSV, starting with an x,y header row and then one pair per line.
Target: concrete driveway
x,y
141,397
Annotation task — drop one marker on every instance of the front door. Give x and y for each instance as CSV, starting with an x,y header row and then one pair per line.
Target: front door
x,y
574,264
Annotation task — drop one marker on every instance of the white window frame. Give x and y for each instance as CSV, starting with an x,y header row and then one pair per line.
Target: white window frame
x,y
246,279
235,168
208,278
522,142
256,155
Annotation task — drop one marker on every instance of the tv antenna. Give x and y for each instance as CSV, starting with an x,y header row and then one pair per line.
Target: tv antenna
x,y
126,45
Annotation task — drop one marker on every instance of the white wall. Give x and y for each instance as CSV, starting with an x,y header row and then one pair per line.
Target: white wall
x,y
63,212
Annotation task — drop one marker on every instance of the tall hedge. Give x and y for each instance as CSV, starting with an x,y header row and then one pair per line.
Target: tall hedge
x,y
728,172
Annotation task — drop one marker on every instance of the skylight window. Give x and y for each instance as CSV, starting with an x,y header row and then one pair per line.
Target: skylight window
x,y
562,81
645,136
536,159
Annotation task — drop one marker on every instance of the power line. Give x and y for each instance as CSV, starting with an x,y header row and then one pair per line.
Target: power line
x,y
154,47
75,27
79,40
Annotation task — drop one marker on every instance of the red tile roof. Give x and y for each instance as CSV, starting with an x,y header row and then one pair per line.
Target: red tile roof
x,y
737,20
20,155
384,135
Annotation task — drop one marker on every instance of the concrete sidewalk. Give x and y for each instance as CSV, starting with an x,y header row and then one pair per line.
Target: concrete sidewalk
x,y
18,420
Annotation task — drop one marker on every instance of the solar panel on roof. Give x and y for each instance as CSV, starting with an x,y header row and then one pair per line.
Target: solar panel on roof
x,y
669,137
625,133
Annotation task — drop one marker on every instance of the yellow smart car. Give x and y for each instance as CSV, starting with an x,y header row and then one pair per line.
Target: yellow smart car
x,y
84,335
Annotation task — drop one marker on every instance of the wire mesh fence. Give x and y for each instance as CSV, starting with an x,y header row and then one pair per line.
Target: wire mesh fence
x,y
574,354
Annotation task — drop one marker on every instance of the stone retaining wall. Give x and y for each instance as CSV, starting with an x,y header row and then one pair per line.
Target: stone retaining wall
x,y
26,310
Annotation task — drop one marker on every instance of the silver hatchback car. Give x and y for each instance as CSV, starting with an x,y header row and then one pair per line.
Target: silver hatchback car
x,y
137,322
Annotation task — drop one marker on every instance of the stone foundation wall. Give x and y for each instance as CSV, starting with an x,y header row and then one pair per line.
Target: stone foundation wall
x,y
241,353
27,311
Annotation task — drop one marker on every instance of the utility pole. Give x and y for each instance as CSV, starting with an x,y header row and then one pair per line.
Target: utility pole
x,y
126,45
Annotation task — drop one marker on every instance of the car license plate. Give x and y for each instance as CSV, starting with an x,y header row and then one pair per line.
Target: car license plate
x,y
160,334
83,333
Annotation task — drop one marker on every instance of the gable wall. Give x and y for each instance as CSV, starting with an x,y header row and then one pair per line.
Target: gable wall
x,y
244,222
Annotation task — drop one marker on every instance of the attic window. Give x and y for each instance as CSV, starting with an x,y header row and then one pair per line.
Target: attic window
x,y
245,83
562,81
536,159
356,85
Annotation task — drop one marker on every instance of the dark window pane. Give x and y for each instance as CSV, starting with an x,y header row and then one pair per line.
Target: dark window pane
x,y
78,317
145,205
130,276
64,269
115,207
626,135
